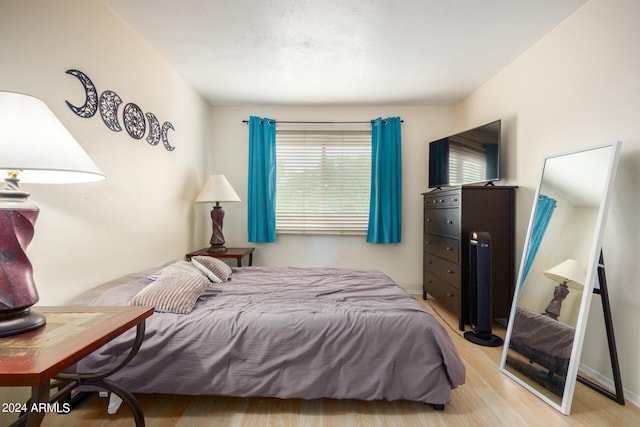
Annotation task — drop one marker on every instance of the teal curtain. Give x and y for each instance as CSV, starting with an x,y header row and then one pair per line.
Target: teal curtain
x,y
385,207
541,217
262,180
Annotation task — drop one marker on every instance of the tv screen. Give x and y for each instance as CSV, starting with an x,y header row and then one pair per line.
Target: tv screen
x,y
468,157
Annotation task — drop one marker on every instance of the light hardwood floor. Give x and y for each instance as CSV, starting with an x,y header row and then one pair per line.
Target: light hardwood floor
x,y
488,398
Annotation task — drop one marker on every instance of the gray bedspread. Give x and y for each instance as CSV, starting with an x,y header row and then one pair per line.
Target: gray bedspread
x,y
287,332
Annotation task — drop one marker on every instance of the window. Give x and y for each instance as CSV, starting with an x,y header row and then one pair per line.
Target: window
x,y
323,181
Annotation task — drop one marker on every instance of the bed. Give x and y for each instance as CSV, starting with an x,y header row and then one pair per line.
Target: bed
x,y
543,340
285,332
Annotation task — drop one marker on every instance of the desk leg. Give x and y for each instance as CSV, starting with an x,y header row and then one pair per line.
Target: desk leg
x,y
239,260
99,380
39,394
32,418
126,397
65,382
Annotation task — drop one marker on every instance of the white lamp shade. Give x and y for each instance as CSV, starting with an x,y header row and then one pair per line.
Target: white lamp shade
x,y
217,189
568,270
36,144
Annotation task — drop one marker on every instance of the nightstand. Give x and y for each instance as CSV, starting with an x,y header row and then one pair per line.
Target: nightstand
x,y
231,253
39,358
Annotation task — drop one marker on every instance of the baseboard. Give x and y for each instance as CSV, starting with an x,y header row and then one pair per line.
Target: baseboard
x,y
607,382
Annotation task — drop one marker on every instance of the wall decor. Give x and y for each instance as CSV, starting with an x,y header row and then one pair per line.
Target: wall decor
x,y
91,104
133,117
109,103
134,121
165,140
154,129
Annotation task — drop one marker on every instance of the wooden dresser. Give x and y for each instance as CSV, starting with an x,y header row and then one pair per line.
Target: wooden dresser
x,y
450,215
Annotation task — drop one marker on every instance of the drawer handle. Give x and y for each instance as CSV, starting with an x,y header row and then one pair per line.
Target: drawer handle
x,y
450,272
449,294
449,221
449,248
428,219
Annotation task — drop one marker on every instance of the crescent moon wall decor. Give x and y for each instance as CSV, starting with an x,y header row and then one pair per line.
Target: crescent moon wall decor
x,y
132,115
91,101
165,140
134,121
109,103
154,129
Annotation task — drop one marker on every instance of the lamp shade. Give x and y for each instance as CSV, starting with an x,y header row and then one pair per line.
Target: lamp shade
x,y
569,271
34,143
217,189
34,147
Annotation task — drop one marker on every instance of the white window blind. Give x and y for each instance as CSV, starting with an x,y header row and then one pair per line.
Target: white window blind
x,y
323,181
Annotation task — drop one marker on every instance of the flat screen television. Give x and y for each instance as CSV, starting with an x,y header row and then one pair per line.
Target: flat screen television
x,y
468,157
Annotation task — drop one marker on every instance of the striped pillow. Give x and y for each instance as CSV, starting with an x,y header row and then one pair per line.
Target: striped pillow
x,y
219,268
174,291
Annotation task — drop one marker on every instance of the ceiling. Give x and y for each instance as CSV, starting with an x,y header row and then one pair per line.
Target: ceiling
x,y
340,52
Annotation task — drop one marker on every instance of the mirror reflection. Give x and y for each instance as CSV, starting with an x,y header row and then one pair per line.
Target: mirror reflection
x,y
554,273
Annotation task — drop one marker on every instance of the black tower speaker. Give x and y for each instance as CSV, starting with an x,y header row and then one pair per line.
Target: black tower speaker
x,y
480,291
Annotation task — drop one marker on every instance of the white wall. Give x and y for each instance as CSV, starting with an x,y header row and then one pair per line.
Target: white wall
x,y
403,262
142,214
578,87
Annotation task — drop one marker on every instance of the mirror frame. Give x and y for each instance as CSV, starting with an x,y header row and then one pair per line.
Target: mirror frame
x,y
592,275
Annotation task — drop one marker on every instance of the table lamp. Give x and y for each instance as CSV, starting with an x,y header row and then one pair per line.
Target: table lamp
x,y
568,274
35,147
217,189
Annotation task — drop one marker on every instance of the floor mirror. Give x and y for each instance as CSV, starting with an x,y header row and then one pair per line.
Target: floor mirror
x,y
558,271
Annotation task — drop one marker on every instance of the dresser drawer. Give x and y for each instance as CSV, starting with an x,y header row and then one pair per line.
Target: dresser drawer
x,y
441,246
446,294
446,270
442,200
444,222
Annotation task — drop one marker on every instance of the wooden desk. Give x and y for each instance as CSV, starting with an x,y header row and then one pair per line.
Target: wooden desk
x,y
39,358
231,253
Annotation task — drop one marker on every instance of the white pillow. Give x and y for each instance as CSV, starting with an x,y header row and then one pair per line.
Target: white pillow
x,y
174,291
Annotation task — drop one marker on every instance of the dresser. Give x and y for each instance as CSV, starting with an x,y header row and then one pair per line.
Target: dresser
x,y
450,215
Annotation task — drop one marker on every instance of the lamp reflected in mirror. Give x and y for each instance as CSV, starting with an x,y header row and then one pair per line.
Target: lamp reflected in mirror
x,y
568,274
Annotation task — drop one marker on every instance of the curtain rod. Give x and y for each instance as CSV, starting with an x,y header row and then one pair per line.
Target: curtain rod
x,y
323,123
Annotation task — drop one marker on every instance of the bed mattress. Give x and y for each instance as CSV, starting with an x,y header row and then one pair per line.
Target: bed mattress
x,y
286,332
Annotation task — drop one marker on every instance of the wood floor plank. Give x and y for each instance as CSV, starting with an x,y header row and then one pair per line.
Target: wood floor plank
x,y
488,398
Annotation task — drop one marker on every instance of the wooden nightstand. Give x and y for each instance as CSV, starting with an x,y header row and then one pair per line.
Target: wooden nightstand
x,y
38,358
232,253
